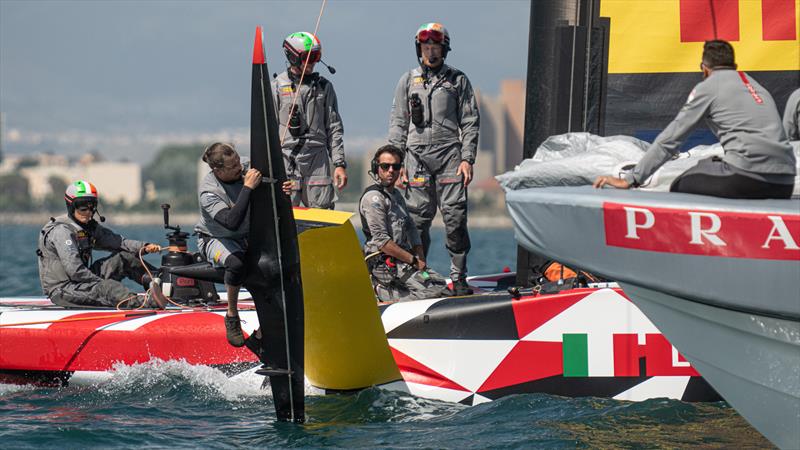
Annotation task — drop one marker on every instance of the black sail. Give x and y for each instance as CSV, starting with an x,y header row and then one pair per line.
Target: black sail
x,y
273,258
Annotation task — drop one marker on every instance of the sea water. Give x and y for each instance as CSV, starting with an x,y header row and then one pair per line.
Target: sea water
x,y
176,405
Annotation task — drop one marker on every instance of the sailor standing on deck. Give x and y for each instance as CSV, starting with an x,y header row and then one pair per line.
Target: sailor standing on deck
x,y
435,120
310,111
393,246
66,271
224,196
758,160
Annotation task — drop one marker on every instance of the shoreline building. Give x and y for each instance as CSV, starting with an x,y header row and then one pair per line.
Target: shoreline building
x,y
117,181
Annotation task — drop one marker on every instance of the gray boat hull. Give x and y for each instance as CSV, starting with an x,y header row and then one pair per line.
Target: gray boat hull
x,y
724,290
753,361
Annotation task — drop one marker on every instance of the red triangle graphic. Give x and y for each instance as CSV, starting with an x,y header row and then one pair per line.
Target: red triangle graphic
x,y
527,361
532,312
415,372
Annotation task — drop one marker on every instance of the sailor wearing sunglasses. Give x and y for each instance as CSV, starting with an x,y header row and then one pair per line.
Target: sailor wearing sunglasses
x,y
393,246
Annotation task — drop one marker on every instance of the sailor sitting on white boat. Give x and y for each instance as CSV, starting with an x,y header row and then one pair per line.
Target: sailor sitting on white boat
x,y
758,161
393,246
66,271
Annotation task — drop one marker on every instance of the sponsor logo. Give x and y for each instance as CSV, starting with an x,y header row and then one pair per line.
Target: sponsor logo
x,y
184,282
626,355
708,233
663,36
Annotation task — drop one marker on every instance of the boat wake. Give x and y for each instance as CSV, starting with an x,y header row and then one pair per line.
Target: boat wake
x,y
162,378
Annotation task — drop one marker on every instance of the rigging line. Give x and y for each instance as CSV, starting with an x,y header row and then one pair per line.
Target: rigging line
x,y
572,66
302,75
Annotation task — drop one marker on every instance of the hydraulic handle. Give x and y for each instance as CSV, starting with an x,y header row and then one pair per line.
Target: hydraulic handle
x,y
165,207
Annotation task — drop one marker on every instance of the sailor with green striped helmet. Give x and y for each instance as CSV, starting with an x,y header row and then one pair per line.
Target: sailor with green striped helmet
x,y
435,121
81,195
311,130
69,276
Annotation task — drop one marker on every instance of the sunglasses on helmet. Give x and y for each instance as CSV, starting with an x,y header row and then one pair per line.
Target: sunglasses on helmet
x,y
385,166
430,35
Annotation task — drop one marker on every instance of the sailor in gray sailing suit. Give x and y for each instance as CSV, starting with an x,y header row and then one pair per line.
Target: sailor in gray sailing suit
x,y
435,120
224,197
791,116
393,246
310,126
66,271
758,160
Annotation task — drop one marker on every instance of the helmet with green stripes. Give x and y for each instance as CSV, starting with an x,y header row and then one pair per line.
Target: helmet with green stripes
x,y
80,194
298,46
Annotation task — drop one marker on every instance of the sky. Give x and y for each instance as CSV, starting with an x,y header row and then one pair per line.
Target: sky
x,y
124,78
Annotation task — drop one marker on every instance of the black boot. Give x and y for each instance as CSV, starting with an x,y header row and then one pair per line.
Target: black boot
x,y
460,288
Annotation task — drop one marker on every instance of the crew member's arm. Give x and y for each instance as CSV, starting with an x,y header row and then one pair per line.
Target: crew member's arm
x,y
668,141
375,212
105,239
791,116
335,130
399,117
66,248
392,249
231,217
276,102
469,122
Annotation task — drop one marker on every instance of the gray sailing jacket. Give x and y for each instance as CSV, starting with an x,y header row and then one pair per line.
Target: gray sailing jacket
x,y
387,219
214,196
318,107
450,111
65,251
742,115
791,116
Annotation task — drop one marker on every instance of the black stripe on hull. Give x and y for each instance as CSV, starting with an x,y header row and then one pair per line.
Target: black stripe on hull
x,y
483,317
570,387
698,390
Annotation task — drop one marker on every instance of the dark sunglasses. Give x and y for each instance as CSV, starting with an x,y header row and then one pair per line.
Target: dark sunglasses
x,y
87,208
385,166
430,35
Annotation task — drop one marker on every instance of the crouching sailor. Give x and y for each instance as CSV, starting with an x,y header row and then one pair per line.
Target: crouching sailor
x,y
393,246
66,271
224,196
758,161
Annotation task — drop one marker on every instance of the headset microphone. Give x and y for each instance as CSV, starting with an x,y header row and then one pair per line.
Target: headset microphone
x,y
330,68
96,211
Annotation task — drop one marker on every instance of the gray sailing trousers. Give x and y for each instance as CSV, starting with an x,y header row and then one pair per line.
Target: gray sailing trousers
x,y
434,184
109,291
313,183
403,283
